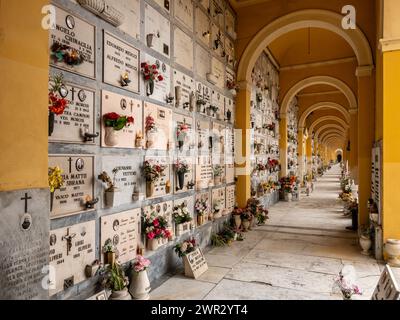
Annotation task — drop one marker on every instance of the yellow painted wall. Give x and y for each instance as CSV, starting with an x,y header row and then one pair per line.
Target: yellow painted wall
x,y
23,97
391,150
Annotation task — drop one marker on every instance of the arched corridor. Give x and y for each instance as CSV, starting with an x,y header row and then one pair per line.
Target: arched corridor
x,y
296,256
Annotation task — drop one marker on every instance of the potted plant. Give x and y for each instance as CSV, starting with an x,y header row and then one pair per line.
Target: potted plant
x,y
181,134
151,130
151,75
113,123
365,239
109,252
57,101
118,283
181,168
152,172
155,228
201,207
236,214
140,284
246,217
217,171
56,181
182,219
111,190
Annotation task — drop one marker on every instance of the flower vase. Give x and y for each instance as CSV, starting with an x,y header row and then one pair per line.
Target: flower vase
x,y
120,295
110,197
149,188
238,221
180,144
110,258
365,243
140,286
229,115
181,180
150,87
200,220
51,122
139,143
286,196
150,139
153,244
245,224
51,201
110,137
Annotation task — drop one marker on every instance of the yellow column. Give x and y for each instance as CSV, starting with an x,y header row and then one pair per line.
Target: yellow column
x,y
283,145
366,136
309,155
243,144
24,70
353,154
300,148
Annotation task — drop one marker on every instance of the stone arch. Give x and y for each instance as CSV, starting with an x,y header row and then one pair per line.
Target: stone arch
x,y
328,126
333,131
314,18
319,105
334,136
327,118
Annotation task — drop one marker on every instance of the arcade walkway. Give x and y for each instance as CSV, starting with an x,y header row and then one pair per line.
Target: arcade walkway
x,y
295,256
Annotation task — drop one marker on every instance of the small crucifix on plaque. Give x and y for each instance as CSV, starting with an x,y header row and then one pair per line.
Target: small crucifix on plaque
x,y
26,198
68,237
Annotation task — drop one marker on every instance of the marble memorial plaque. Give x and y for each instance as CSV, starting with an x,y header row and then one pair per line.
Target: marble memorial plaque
x,y
230,108
163,123
202,27
230,145
218,70
203,65
163,209
162,89
121,59
188,183
230,198
230,24
229,173
157,31
79,38
218,197
128,176
204,94
124,106
218,136
78,188
189,140
204,172
184,86
71,250
218,100
78,117
203,133
163,185
183,49
184,12
218,40
24,246
123,229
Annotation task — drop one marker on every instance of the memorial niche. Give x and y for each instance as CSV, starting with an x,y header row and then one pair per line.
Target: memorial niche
x,y
202,27
184,12
156,172
184,91
230,198
157,30
203,208
203,96
183,49
157,124
184,180
77,192
218,203
157,79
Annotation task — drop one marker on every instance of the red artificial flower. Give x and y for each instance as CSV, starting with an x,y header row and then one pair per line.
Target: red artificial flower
x,y
156,223
167,234
160,78
130,120
158,232
143,64
154,66
111,116
147,77
150,235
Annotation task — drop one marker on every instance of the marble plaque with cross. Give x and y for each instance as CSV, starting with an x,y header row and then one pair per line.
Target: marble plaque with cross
x,y
162,89
204,172
202,27
218,197
163,186
121,60
218,70
123,230
77,39
189,137
183,12
128,176
157,31
188,182
78,188
203,58
78,117
163,209
124,106
230,198
24,246
203,134
218,101
184,87
163,123
71,250
183,49
203,93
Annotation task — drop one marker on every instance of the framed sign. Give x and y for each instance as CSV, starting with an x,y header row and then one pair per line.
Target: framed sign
x,y
72,44
71,250
122,106
183,49
121,60
184,12
78,117
78,188
123,231
157,30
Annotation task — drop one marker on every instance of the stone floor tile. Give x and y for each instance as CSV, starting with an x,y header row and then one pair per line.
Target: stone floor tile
x,y
214,274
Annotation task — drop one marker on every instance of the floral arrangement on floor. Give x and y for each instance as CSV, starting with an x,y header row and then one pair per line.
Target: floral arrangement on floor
x,y
237,211
141,264
346,288
181,167
201,207
225,236
155,227
116,121
186,247
153,171
181,214
150,124
288,183
64,53
57,104
246,215
55,178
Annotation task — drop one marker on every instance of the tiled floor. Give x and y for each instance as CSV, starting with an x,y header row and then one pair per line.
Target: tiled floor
x,y
296,256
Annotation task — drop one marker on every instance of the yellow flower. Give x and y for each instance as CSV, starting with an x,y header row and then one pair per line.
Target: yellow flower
x,y
55,179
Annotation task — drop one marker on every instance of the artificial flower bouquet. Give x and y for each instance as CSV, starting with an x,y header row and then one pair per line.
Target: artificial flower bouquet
x,y
186,247
153,171
181,214
117,121
141,264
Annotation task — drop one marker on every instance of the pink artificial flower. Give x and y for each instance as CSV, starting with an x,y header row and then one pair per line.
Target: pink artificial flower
x,y
151,235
